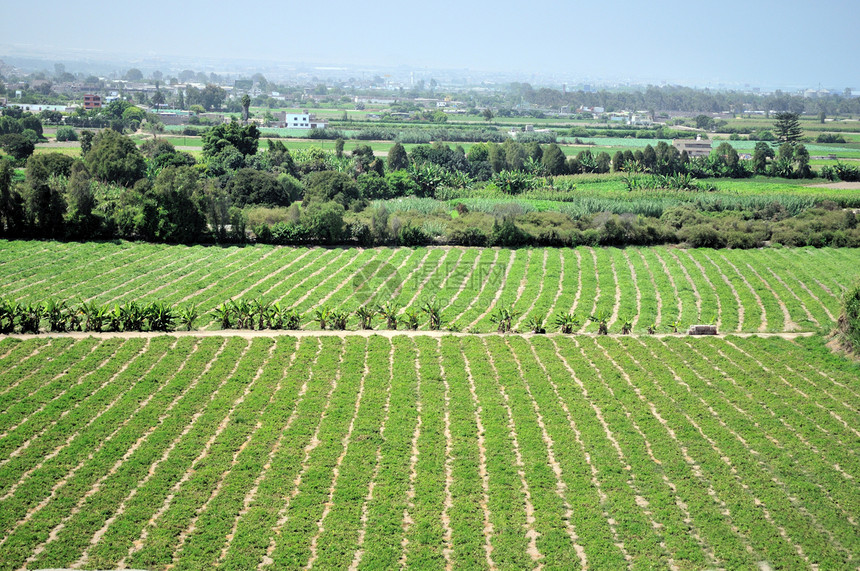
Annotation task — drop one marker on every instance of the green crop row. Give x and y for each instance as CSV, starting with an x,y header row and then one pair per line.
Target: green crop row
x,y
771,289
568,452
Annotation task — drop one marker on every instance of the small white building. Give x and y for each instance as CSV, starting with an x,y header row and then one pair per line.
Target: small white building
x,y
297,120
303,120
36,108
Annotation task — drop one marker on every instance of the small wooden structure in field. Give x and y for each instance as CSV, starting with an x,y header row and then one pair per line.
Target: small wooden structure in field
x,y
702,330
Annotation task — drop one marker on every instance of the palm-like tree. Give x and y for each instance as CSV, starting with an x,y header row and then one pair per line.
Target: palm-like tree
x,y
246,105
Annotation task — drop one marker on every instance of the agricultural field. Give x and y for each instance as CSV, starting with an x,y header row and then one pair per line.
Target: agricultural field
x,y
766,290
457,452
433,450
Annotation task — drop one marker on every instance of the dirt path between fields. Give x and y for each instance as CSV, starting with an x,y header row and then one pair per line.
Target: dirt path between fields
x,y
253,333
838,185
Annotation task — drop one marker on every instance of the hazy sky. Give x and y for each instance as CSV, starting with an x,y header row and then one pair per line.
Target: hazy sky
x,y
788,43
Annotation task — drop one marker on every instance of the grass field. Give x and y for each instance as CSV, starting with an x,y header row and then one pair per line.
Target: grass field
x,y
739,290
467,452
248,450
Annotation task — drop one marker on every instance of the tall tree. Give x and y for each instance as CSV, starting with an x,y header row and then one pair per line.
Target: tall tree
x,y
787,127
81,219
553,160
762,153
397,158
244,139
115,158
212,97
246,105
11,203
134,74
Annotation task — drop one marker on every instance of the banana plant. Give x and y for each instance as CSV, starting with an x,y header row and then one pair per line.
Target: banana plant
x,y
224,316
535,324
58,315
433,309
365,315
322,315
388,311
160,316
504,319
95,316
567,322
188,314
411,316
291,319
339,319
8,314
30,316
601,317
626,325
262,311
243,313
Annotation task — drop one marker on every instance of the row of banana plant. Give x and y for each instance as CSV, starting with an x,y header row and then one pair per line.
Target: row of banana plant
x,y
60,316
391,312
256,314
567,323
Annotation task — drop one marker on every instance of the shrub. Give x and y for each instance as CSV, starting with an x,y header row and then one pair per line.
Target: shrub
x,y
702,236
263,233
289,233
66,133
468,237
508,235
412,236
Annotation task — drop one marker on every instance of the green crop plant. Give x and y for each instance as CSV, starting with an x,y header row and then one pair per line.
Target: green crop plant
x,y
411,316
29,317
261,311
323,316
626,325
159,316
291,319
503,318
601,318
433,309
536,324
224,316
339,319
567,322
188,314
95,315
389,311
365,315
58,314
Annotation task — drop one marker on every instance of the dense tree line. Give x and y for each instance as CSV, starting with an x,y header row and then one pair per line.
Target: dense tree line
x,y
154,192
681,99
